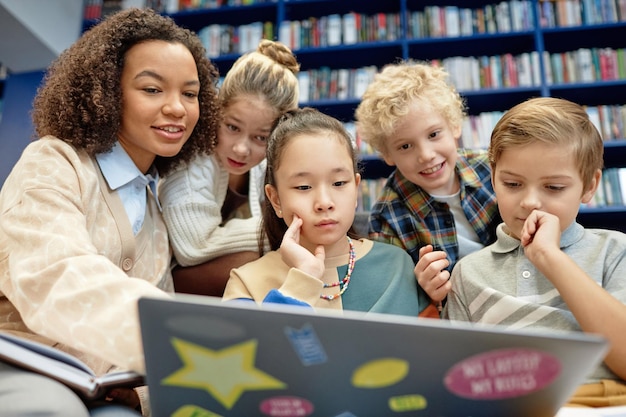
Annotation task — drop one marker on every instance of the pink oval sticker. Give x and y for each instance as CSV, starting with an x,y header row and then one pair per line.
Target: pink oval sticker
x,y
502,374
286,407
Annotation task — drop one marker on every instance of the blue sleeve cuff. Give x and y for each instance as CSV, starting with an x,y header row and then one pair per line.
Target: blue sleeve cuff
x,y
275,296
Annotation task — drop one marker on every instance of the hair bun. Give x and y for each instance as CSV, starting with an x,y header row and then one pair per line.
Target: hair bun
x,y
280,53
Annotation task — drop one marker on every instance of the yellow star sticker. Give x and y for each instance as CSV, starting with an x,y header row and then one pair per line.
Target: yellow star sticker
x,y
225,374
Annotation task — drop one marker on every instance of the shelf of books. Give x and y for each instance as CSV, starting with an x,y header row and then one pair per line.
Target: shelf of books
x,y
498,54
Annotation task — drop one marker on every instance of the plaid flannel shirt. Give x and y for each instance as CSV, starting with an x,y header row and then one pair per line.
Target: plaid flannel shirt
x,y
406,216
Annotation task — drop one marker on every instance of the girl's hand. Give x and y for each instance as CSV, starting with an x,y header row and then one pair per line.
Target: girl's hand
x,y
297,256
431,273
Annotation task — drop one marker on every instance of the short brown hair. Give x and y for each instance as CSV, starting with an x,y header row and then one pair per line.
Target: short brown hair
x,y
554,121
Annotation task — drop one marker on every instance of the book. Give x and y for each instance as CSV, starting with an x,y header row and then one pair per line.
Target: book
x,y
284,33
304,86
605,122
63,367
453,21
594,116
363,77
210,36
585,65
502,15
612,190
350,33
621,183
334,30
296,34
465,21
524,70
343,84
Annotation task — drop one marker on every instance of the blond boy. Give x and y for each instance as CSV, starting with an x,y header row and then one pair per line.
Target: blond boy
x,y
438,204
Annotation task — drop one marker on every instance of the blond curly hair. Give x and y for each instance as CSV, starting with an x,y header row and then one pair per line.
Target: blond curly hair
x,y
395,88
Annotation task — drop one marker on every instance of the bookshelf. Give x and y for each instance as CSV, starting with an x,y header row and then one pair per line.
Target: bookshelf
x,y
536,30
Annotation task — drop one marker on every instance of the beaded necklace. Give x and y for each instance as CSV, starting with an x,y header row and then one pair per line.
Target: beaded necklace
x,y
343,284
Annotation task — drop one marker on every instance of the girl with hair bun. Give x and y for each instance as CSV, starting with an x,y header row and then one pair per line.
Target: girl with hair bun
x,y
212,205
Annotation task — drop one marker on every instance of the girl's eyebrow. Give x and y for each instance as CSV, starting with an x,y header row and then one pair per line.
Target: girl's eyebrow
x,y
307,173
153,74
340,170
299,174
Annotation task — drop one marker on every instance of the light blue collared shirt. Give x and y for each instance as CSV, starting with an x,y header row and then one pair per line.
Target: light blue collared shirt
x,y
123,176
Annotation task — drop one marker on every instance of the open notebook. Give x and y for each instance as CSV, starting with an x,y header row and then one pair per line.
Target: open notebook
x,y
208,358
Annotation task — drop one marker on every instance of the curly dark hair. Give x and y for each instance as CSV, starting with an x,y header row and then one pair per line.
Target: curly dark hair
x,y
80,100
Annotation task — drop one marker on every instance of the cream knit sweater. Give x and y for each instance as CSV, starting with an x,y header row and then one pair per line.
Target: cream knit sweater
x,y
192,199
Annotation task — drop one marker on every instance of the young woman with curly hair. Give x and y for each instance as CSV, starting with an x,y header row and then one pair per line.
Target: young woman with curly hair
x,y
81,233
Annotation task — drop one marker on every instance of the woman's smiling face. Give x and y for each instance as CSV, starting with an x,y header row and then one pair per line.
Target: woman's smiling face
x,y
160,105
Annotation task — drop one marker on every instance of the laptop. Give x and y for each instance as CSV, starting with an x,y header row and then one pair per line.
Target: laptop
x,y
209,358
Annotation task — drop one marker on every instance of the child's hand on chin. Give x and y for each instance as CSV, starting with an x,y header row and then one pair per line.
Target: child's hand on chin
x,y
541,233
297,256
